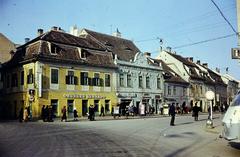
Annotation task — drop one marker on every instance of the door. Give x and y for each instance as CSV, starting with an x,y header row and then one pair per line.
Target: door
x,y
70,108
84,107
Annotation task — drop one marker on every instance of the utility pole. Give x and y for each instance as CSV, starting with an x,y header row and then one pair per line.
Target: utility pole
x,y
236,51
238,20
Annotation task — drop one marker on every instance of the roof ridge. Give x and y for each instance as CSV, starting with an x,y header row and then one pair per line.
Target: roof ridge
x,y
107,35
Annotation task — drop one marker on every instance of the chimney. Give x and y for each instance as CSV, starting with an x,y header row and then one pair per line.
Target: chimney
x,y
39,32
218,70
198,62
27,40
12,53
205,65
54,28
117,33
147,54
169,49
191,59
74,30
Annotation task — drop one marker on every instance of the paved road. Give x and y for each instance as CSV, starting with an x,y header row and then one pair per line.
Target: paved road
x,y
149,137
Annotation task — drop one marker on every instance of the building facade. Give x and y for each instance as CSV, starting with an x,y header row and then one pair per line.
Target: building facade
x,y
58,69
140,82
192,74
175,88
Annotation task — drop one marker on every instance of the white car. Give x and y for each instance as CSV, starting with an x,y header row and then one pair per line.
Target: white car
x,y
231,121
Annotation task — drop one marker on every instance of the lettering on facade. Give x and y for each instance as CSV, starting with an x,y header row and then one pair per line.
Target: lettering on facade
x,y
79,96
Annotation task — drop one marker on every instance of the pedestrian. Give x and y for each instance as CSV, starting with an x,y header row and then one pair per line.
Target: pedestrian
x,y
64,114
50,114
195,111
127,111
209,112
91,113
75,114
172,112
21,115
102,112
25,114
43,113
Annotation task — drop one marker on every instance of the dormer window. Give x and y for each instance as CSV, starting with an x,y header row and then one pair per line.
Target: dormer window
x,y
108,44
54,49
128,49
82,53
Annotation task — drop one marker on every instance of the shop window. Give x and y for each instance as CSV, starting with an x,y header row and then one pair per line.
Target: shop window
x,y
54,76
96,105
54,104
107,106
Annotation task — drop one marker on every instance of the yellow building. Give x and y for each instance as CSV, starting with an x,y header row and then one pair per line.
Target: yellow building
x,y
58,69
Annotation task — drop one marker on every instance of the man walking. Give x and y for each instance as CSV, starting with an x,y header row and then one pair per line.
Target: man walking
x,y
172,114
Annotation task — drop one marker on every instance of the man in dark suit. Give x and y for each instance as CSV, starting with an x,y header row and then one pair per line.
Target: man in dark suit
x,y
172,113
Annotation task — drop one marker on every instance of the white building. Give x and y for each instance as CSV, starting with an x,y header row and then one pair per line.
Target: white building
x,y
191,73
140,81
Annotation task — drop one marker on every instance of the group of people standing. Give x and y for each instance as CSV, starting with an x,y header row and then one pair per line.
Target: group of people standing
x,y
173,111
47,113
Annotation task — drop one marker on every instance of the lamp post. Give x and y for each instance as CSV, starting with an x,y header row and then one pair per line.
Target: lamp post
x,y
210,96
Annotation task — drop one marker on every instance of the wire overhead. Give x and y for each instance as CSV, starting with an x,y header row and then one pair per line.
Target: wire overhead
x,y
204,41
224,17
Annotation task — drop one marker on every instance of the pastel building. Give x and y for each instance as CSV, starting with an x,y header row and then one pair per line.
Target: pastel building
x,y
58,69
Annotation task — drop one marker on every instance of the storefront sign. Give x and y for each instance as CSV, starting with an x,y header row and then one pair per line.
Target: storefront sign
x,y
79,96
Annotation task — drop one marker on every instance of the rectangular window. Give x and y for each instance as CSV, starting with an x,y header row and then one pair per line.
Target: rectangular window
x,y
129,80
96,105
14,80
54,104
22,77
107,80
96,79
8,81
71,79
121,80
174,90
169,90
30,76
107,106
140,83
54,76
158,83
84,78
147,82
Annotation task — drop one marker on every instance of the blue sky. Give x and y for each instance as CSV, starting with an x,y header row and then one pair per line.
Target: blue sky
x,y
177,22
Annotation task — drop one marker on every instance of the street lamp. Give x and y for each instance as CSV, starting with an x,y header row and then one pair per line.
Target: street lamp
x,y
210,96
